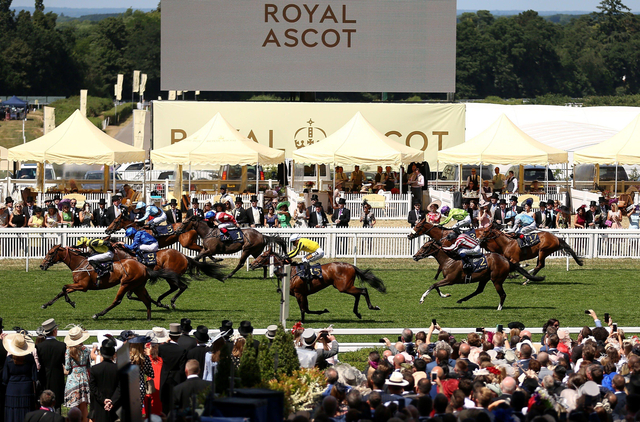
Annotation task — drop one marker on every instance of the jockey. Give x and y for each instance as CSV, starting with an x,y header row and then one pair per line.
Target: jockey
x,y
465,246
522,224
210,217
223,219
314,250
150,211
102,253
461,216
143,242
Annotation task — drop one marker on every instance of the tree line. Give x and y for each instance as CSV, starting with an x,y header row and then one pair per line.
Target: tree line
x,y
521,56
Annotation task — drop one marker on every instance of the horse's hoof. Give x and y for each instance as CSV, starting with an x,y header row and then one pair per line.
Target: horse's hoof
x,y
73,304
95,316
447,295
173,306
217,260
375,308
326,311
359,316
460,301
500,307
421,301
44,307
525,283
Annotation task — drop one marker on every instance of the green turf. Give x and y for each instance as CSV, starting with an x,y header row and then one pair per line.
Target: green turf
x,y
605,286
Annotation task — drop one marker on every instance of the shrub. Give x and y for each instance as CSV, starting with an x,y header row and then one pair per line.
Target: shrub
x,y
249,371
124,111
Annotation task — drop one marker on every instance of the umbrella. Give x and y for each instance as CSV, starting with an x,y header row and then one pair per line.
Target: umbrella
x,y
80,199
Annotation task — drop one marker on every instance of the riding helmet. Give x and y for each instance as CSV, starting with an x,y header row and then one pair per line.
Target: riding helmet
x,y
452,236
294,237
130,232
209,215
82,241
445,210
141,205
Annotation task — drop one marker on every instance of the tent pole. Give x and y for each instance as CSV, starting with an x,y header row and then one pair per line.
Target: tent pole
x,y
257,177
546,179
615,195
114,179
437,171
400,180
334,180
189,178
480,178
459,177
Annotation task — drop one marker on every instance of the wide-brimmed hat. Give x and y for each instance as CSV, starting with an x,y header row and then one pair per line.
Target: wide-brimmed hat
x,y
174,329
18,344
271,332
126,335
516,324
107,350
396,379
309,336
161,334
510,356
49,326
245,328
437,203
483,203
76,336
492,353
141,339
282,204
201,334
185,324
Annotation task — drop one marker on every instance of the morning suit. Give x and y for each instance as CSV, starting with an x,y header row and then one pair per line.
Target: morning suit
x,y
170,216
103,384
51,355
414,217
198,212
111,213
42,415
100,218
182,393
313,220
240,214
341,217
251,218
198,353
500,216
187,342
174,359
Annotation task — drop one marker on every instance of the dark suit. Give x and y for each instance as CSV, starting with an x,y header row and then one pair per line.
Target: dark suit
x,y
551,219
51,355
43,416
198,353
341,220
100,218
198,212
620,408
313,220
76,216
170,219
3,388
27,212
111,213
240,214
540,217
103,384
470,365
499,216
596,218
414,217
187,342
251,220
174,359
182,393
323,355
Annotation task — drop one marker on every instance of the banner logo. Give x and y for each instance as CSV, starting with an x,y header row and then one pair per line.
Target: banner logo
x,y
308,135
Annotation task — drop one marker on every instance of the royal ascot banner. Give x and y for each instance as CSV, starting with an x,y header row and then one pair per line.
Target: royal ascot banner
x,y
83,102
289,126
139,117
49,119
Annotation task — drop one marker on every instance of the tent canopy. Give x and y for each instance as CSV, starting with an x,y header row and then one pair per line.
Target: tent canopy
x,y
76,141
622,148
4,156
358,143
15,102
503,143
217,143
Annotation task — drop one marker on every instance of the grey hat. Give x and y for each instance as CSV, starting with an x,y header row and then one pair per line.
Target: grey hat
x,y
271,332
309,337
174,329
49,325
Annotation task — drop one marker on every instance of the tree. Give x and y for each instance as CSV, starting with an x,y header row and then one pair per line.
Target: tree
x,y
286,352
266,360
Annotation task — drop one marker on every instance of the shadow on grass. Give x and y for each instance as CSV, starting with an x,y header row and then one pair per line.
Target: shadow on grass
x,y
462,307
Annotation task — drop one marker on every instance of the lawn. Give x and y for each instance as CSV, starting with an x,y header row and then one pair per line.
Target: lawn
x,y
11,130
605,286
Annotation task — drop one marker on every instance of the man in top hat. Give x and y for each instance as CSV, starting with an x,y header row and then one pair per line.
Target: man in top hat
x,y
199,352
103,385
318,218
100,218
271,333
8,201
195,209
193,385
174,215
513,205
115,209
604,208
312,208
540,216
245,329
551,216
51,355
494,203
225,198
415,215
500,214
174,358
255,214
342,216
240,214
309,339
27,210
186,341
594,217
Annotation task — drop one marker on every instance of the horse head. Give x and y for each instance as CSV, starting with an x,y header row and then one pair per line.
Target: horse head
x,y
421,227
262,260
187,224
119,223
52,257
428,249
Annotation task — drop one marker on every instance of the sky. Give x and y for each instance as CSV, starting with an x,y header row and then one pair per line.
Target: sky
x,y
546,5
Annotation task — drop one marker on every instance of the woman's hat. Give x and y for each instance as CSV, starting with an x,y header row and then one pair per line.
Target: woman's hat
x,y
484,203
271,332
37,209
396,379
76,336
309,337
161,334
18,344
282,204
140,339
202,334
437,203
245,328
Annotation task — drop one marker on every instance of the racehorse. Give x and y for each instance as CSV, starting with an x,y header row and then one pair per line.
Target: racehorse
x,y
188,239
129,274
254,242
496,241
498,268
423,227
340,275
175,261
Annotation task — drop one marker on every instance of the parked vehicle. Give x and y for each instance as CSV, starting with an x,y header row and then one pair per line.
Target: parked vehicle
x,y
450,172
97,176
532,173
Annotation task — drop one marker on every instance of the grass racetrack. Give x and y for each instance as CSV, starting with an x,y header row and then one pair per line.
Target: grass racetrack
x,y
602,285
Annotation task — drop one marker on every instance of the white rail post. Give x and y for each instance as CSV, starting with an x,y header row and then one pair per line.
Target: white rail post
x,y
27,252
284,301
355,249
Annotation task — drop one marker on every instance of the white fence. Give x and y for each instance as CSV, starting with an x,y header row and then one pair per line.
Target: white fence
x,y
352,243
396,206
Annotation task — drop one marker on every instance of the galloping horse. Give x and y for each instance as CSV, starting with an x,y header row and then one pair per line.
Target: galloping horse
x,y
436,232
498,268
254,242
188,239
496,241
340,275
129,274
175,261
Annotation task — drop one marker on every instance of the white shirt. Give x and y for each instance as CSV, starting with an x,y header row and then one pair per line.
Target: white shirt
x,y
256,215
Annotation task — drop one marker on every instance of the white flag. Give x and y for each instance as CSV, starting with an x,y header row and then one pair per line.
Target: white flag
x,y
197,92
83,102
139,117
143,83
172,95
49,119
136,80
119,87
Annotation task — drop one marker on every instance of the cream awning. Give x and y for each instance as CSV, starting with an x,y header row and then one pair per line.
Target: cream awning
x,y
358,143
503,143
76,141
217,143
622,148
4,163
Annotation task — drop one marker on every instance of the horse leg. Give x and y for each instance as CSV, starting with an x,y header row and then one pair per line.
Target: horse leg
x,y
498,285
58,296
305,303
444,282
479,290
143,294
301,304
118,299
542,256
243,259
365,293
182,287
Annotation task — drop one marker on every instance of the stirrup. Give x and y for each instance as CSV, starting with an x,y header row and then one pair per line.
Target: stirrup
x,y
467,278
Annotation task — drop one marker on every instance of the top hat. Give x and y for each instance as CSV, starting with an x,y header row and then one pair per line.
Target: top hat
x,y
542,204
194,200
342,201
115,198
223,187
318,204
30,199
513,198
254,198
174,329
516,324
314,197
49,326
102,202
8,200
466,201
502,201
238,200
593,204
226,326
173,202
107,350
201,334
309,336
245,328
602,199
185,324
495,195
271,332
56,197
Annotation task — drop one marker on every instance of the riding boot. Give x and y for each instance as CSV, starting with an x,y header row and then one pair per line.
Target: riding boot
x,y
307,275
467,268
100,271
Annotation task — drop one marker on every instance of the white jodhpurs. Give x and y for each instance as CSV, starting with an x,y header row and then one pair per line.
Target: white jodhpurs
x,y
314,256
150,248
101,257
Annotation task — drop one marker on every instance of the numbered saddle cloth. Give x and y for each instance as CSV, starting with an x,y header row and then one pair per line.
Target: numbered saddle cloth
x,y
161,231
479,263
529,240
471,233
315,270
233,235
148,258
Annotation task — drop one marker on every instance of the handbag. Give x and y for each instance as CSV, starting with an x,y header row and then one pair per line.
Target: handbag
x,y
149,387
608,223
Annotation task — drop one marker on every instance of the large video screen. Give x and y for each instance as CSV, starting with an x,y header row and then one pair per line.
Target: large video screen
x,y
325,46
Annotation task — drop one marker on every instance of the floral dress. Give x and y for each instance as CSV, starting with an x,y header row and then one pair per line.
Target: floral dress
x,y
76,390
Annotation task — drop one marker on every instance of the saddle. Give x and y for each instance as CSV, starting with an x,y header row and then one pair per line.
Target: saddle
x,y
147,258
471,233
161,231
528,240
471,265
232,235
315,271
102,268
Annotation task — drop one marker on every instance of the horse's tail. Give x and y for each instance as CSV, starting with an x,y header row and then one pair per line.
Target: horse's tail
x,y
168,275
368,277
525,273
566,248
275,241
209,269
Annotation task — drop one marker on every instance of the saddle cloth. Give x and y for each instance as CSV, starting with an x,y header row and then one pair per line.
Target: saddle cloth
x,y
147,258
106,267
160,231
479,263
315,270
471,233
235,235
529,240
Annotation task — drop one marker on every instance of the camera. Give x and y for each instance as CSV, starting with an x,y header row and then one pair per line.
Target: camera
x,y
381,341
434,376
606,318
587,312
479,330
615,327
433,321
399,338
499,328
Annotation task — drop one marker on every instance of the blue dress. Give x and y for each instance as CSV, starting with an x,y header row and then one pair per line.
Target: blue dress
x,y
20,381
271,221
